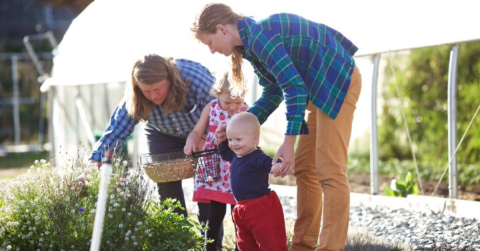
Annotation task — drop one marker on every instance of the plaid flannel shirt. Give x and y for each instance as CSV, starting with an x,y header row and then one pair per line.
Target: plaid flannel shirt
x,y
296,59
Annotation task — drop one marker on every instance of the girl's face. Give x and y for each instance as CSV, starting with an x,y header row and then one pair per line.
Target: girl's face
x,y
228,104
156,92
220,41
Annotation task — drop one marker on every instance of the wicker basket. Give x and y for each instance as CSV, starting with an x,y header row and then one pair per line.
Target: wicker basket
x,y
207,165
167,167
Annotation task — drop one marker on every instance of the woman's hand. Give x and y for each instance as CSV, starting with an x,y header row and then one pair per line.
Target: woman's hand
x,y
193,144
97,163
287,153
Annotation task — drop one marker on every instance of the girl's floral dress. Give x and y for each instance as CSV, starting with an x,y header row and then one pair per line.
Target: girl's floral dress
x,y
219,190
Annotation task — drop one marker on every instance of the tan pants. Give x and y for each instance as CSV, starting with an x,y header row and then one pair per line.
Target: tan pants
x,y
321,172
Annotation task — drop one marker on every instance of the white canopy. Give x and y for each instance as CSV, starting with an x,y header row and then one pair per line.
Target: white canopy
x,y
96,55
104,40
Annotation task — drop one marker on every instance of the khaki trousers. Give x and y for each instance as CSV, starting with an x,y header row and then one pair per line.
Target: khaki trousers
x,y
321,173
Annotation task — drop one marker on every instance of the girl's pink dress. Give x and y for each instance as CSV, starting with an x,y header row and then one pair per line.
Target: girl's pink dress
x,y
220,190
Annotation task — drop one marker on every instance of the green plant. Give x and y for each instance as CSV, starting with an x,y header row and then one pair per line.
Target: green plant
x,y
402,188
53,208
422,79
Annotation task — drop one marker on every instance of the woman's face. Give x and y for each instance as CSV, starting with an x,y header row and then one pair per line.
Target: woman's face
x,y
220,41
156,92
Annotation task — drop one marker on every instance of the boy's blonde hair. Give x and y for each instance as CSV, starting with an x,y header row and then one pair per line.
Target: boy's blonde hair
x,y
245,120
224,85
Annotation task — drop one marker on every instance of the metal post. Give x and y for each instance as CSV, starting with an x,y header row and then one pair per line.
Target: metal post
x,y
84,120
15,100
374,132
33,56
106,171
40,121
452,121
51,127
77,116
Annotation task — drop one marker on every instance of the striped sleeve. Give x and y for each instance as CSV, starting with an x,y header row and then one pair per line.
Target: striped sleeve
x,y
268,102
120,127
269,49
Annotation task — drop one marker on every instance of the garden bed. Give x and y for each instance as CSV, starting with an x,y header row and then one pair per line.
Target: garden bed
x,y
360,183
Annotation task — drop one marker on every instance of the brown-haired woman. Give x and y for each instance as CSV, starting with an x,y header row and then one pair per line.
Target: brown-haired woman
x,y
169,96
311,66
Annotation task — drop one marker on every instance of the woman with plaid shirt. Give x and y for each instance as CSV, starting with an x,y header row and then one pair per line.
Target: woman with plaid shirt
x,y
169,96
311,67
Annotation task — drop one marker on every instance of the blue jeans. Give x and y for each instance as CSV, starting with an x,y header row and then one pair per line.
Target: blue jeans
x,y
162,143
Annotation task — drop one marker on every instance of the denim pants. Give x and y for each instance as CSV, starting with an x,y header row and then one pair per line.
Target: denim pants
x,y
162,143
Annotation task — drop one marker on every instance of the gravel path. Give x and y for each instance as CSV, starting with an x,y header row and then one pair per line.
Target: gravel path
x,y
422,230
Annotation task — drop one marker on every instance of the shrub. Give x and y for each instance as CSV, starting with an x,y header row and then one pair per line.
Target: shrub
x,y
53,208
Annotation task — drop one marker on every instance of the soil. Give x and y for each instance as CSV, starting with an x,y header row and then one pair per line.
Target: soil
x,y
360,183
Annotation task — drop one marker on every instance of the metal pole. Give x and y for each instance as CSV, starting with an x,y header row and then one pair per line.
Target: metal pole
x,y
51,127
374,132
101,204
15,100
84,120
33,56
51,39
77,116
452,121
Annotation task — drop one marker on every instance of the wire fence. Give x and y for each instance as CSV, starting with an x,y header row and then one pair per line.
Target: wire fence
x,y
23,118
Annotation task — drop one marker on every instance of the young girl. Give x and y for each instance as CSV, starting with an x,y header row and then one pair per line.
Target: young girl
x,y
212,196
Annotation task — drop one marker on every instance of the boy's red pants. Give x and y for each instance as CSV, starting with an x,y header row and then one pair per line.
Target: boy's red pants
x,y
260,224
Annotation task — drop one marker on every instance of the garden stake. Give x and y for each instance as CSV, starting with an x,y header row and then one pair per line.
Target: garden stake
x,y
101,203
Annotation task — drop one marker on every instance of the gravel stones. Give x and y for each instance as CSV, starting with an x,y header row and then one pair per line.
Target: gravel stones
x,y
424,231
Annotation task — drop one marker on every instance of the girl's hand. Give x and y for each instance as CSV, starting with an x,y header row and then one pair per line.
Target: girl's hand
x,y
220,134
286,152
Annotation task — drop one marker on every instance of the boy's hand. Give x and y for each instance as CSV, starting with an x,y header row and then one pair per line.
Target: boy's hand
x,y
276,170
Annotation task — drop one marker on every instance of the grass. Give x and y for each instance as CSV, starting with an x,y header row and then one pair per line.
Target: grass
x,y
10,173
13,165
22,160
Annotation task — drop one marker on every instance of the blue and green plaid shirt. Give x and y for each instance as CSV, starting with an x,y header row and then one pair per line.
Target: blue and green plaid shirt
x,y
295,59
178,124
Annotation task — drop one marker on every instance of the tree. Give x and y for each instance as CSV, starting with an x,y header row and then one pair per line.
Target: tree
x,y
422,79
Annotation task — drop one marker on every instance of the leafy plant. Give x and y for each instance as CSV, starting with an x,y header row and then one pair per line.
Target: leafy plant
x,y
53,208
422,78
402,188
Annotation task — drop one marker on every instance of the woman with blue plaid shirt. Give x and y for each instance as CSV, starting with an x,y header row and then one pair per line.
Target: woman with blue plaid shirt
x,y
169,96
311,67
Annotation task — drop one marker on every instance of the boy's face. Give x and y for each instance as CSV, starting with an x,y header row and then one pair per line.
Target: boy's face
x,y
241,140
